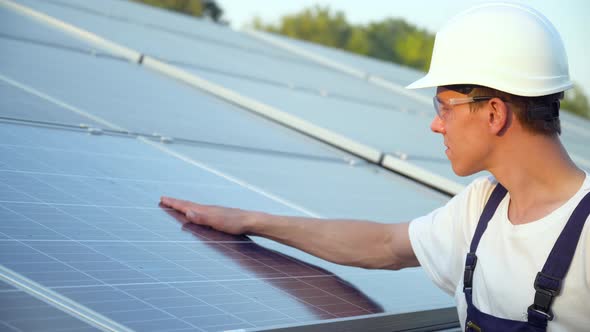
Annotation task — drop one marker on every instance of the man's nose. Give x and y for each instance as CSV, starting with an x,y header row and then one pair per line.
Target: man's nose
x,y
437,125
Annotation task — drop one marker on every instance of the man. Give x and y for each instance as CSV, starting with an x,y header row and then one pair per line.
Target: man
x,y
505,254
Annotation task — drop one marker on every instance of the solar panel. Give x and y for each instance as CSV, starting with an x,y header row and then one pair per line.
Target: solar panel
x,y
99,240
78,203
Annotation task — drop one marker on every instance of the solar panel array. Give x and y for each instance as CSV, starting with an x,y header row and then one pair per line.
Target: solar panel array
x,y
91,140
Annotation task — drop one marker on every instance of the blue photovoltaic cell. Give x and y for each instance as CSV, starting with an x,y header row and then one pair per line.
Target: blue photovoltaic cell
x,y
92,232
22,312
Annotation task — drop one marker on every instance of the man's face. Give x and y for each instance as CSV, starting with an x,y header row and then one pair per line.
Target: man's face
x,y
464,132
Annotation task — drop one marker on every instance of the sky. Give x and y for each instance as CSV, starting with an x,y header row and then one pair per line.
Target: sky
x,y
570,17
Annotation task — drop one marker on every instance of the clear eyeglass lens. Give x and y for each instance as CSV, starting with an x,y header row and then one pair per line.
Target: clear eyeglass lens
x,y
440,107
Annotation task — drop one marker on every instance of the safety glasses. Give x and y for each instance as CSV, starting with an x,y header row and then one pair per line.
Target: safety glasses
x,y
442,108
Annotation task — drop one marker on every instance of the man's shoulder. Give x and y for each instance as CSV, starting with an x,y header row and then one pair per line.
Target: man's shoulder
x,y
483,183
478,191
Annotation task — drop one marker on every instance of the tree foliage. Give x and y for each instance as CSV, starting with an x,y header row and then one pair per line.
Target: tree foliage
x,y
206,8
392,39
189,7
576,102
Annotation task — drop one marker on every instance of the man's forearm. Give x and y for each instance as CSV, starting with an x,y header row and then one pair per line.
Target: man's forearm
x,y
348,242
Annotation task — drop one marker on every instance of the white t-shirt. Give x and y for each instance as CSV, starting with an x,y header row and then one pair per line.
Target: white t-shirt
x,y
509,257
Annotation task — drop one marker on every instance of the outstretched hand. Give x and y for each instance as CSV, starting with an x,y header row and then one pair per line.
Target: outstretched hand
x,y
228,220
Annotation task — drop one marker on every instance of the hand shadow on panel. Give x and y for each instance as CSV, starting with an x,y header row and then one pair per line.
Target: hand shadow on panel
x,y
322,293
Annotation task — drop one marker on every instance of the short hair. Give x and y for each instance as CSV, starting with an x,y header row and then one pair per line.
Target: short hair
x,y
539,115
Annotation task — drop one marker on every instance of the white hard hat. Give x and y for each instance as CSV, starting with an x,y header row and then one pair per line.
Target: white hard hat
x,y
505,46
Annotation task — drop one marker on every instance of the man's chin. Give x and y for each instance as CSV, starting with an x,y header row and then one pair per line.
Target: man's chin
x,y
464,172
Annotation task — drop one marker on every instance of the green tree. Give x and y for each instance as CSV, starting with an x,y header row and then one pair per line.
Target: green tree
x,y
392,39
576,102
358,41
318,25
411,48
189,7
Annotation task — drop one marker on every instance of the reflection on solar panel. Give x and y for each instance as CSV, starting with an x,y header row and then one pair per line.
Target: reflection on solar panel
x,y
90,139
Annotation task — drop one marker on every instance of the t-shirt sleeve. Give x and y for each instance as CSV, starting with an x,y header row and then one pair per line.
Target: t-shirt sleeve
x,y
441,239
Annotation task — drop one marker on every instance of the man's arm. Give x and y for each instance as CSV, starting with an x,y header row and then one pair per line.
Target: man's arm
x,y
364,244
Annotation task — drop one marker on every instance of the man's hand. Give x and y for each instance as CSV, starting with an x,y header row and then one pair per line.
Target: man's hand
x,y
228,220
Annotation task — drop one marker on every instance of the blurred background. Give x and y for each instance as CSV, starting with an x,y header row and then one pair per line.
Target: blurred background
x,y
397,31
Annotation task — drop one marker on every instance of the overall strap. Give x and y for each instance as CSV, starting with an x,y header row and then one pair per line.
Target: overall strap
x,y
548,281
487,214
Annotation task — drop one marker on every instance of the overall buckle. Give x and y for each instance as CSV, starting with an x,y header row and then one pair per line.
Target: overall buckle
x,y
470,263
546,288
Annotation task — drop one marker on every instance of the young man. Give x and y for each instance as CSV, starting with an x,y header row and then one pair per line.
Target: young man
x,y
505,247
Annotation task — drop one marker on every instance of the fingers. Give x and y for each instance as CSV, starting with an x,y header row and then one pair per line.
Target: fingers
x,y
178,204
188,208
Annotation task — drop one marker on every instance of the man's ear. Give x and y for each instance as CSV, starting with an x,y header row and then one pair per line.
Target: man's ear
x,y
499,116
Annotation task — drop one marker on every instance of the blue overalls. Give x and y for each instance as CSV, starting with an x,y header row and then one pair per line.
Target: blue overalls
x,y
547,283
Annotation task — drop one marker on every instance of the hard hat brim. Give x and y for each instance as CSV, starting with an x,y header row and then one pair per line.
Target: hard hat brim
x,y
425,82
431,80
